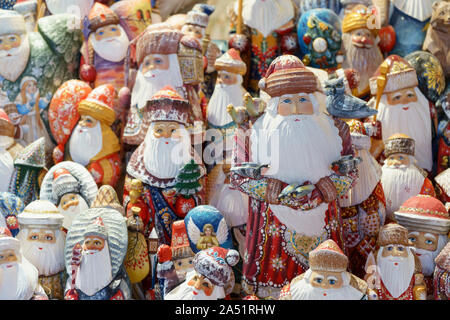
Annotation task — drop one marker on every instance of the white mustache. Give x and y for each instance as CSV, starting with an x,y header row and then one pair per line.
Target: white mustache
x,y
12,52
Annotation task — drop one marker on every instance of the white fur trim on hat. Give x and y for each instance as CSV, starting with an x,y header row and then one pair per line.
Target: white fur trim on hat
x,y
11,22
396,81
7,243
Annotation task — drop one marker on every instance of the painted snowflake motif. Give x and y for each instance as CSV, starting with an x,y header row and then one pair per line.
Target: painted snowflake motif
x,y
273,230
277,263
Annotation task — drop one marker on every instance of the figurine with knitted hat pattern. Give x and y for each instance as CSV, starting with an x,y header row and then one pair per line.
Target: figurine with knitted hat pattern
x,y
212,273
401,178
394,271
164,162
402,108
428,224
295,200
327,278
10,207
95,250
268,29
70,187
8,150
42,243
360,44
18,277
92,143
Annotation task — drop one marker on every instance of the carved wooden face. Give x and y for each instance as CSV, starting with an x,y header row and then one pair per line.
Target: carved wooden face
x,y
155,61
9,41
68,200
326,279
183,264
424,240
226,78
291,104
398,159
200,283
166,129
363,38
93,243
395,250
401,97
87,121
440,19
42,235
106,32
7,256
194,31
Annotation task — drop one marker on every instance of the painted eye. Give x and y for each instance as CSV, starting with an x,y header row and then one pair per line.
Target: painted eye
x,y
179,263
390,248
34,237
173,130
396,98
287,100
101,33
12,39
332,281
49,238
410,95
400,248
205,284
428,241
401,158
302,100
2,257
190,261
97,243
318,280
412,239
158,61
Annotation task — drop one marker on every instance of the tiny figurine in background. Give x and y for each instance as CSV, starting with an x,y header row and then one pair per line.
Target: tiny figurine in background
x,y
92,143
266,25
19,278
360,43
96,272
70,187
211,275
319,37
438,34
42,243
402,108
428,224
10,207
147,216
401,177
182,254
9,149
441,275
166,270
327,278
29,170
442,187
394,271
134,15
172,181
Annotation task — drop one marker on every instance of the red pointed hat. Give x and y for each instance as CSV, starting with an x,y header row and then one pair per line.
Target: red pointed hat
x,y
288,75
99,104
100,16
64,182
424,213
328,257
6,127
168,105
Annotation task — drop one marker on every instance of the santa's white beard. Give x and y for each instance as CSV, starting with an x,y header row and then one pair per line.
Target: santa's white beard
x,y
49,260
427,257
6,142
396,278
222,96
185,292
303,290
298,152
95,271
266,16
414,122
6,169
72,212
80,8
369,176
85,143
146,85
400,184
112,49
164,157
18,282
12,67
232,203
365,61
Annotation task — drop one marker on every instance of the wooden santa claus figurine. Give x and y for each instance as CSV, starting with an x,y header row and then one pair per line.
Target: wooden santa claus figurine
x,y
327,278
441,275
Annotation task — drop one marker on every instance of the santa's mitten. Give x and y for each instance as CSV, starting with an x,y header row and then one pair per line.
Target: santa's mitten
x,y
71,295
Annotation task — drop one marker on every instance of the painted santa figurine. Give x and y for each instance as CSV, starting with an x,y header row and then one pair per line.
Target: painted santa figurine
x,y
18,277
8,150
360,43
95,249
428,224
158,66
92,143
70,187
401,177
269,30
442,187
441,274
394,271
164,163
42,243
443,155
294,202
212,273
10,207
402,108
182,254
327,278
105,49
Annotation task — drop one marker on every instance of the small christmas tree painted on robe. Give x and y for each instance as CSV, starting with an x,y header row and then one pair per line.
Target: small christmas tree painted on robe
x,y
187,182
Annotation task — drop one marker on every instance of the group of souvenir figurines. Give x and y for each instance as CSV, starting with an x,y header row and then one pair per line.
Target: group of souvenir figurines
x,y
305,158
